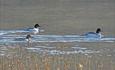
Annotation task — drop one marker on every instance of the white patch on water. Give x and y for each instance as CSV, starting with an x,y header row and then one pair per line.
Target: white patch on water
x,y
45,47
86,54
33,48
42,30
80,48
2,51
54,51
4,32
2,54
109,55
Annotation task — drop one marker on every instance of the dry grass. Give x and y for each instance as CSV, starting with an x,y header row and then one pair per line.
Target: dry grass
x,y
19,58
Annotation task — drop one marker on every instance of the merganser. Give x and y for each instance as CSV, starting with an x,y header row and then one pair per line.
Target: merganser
x,y
34,30
28,38
96,34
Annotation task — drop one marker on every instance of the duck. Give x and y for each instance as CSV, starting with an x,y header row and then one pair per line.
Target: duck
x,y
96,34
34,30
28,38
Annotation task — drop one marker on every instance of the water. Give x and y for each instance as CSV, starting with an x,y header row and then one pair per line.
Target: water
x,y
12,37
17,37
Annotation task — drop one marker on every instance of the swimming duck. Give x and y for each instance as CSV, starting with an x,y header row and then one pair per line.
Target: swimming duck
x,y
28,38
96,34
34,30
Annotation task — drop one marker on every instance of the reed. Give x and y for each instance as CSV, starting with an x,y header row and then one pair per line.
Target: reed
x,y
21,59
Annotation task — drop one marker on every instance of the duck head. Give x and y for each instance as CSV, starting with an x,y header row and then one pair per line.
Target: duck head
x,y
36,26
98,30
28,36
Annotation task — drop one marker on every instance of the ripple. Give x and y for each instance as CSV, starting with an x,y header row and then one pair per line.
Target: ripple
x,y
52,38
55,51
7,36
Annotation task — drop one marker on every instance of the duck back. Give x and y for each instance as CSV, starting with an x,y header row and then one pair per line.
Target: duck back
x,y
92,35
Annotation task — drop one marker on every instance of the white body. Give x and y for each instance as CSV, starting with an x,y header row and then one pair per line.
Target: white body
x,y
36,30
93,35
29,40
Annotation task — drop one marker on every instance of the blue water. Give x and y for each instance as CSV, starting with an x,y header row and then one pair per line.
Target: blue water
x,y
11,36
